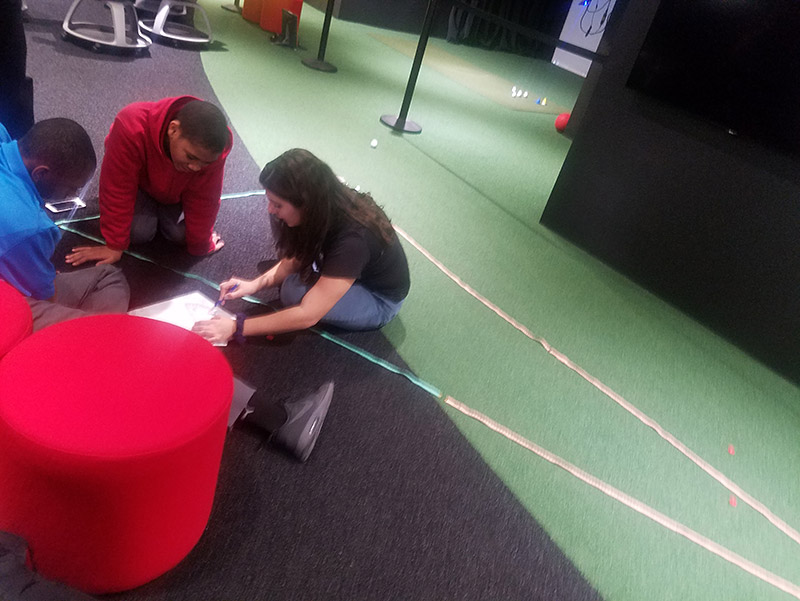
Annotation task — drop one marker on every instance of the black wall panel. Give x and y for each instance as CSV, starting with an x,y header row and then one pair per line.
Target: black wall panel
x,y
708,221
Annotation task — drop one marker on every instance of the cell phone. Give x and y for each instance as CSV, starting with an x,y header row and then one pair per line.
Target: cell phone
x,y
65,205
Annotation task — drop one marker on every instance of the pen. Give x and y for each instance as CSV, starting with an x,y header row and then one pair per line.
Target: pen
x,y
222,300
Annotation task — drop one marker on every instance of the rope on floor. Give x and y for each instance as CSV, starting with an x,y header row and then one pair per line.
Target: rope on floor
x,y
633,503
629,407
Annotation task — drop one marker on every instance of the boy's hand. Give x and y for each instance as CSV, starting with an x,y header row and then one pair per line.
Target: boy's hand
x,y
102,254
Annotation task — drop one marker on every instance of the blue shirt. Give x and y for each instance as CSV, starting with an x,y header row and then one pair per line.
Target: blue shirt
x,y
28,237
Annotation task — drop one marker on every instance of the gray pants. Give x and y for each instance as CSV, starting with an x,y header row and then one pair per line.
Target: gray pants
x,y
98,289
151,216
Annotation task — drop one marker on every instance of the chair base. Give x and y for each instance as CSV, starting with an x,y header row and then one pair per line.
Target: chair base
x,y
121,33
164,30
177,34
98,38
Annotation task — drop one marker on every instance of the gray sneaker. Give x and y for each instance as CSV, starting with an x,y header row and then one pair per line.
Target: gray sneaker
x,y
304,421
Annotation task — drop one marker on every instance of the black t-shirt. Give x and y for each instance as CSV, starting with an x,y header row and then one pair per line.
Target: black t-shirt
x,y
353,251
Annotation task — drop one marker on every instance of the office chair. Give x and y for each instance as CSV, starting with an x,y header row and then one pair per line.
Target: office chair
x,y
173,22
120,31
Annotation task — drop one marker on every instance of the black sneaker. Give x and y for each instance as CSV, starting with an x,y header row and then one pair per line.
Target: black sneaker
x,y
304,421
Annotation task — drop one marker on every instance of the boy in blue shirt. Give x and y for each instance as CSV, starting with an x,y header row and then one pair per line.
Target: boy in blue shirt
x,y
52,161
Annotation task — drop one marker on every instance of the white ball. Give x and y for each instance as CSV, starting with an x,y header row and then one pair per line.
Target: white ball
x,y
374,143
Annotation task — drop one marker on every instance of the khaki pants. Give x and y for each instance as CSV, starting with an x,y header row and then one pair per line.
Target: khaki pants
x,y
98,289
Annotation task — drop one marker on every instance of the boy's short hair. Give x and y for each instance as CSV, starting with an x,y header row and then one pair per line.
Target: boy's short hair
x,y
61,144
204,124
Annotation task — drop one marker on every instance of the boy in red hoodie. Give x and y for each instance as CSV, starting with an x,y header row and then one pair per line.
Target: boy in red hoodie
x,y
162,171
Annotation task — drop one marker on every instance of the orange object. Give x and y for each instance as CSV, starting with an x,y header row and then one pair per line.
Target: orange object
x,y
251,10
272,13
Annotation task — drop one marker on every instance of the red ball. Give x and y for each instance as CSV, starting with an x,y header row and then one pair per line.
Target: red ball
x,y
561,122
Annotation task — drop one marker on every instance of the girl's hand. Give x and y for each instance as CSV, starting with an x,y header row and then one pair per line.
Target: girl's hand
x,y
236,288
216,330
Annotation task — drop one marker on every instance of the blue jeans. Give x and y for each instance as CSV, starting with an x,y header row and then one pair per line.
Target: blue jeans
x,y
358,309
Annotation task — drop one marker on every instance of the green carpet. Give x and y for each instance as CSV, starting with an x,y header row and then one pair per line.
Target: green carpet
x,y
471,189
498,90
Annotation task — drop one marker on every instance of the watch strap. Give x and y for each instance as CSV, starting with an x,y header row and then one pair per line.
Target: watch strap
x,y
238,335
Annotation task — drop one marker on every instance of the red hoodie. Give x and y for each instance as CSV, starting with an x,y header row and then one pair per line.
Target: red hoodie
x,y
135,159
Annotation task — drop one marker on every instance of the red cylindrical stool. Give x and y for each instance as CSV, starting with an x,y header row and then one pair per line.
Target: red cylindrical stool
x,y
111,435
16,316
272,13
251,10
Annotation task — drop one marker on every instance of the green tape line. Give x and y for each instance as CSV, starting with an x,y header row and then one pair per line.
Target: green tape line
x,y
61,222
429,388
192,276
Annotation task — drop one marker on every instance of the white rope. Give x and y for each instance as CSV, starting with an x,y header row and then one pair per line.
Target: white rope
x,y
633,410
642,508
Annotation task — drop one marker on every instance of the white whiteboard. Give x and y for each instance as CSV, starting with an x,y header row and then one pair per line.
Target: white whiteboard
x,y
584,27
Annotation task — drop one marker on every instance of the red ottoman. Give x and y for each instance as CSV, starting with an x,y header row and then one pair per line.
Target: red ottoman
x,y
16,316
111,435
272,13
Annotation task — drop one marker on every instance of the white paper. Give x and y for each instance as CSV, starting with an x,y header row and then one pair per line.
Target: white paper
x,y
183,311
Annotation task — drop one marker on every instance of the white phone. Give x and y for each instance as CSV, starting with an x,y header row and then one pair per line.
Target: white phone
x,y
65,205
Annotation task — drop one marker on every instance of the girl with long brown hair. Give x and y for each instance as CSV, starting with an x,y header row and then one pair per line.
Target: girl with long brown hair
x,y
340,261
